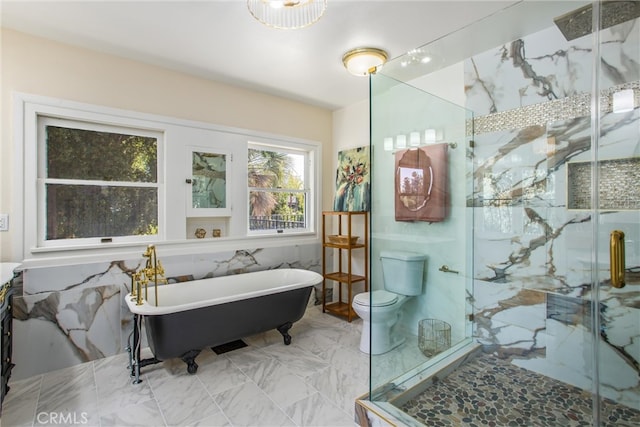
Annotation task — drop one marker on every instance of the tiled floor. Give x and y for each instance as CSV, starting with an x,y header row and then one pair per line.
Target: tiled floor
x,y
490,391
312,382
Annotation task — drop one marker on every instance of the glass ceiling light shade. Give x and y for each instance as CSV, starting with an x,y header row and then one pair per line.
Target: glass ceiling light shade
x,y
363,60
287,14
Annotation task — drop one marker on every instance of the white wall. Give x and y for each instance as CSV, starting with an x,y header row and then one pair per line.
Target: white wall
x,y
350,130
37,66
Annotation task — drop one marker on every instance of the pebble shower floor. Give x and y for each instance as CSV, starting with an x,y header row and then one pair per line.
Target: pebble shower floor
x,y
488,391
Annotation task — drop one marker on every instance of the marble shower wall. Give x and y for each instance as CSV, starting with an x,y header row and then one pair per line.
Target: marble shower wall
x,y
68,315
533,255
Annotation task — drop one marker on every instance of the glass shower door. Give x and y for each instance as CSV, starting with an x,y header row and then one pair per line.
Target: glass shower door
x,y
616,170
420,184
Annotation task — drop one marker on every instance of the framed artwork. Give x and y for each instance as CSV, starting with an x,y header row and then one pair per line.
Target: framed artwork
x,y
353,181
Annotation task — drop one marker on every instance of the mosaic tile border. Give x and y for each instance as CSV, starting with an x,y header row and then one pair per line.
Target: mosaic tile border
x,y
546,112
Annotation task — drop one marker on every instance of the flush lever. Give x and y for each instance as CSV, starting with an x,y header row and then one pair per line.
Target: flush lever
x,y
446,269
616,258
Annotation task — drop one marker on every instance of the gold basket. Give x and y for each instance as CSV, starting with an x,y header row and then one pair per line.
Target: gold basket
x,y
337,239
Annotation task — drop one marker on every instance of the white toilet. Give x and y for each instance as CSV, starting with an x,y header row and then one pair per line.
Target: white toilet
x,y
402,274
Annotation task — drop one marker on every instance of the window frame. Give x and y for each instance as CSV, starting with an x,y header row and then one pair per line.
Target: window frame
x,y
44,120
309,152
177,136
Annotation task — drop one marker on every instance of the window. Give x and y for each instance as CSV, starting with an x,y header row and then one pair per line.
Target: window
x,y
108,179
96,183
279,193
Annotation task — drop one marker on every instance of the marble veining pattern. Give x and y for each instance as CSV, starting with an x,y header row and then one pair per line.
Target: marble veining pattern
x,y
252,386
77,313
534,282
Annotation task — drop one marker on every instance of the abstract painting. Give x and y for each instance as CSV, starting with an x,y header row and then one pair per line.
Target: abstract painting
x,y
353,181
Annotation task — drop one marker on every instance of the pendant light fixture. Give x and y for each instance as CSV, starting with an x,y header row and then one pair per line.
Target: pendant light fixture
x,y
287,14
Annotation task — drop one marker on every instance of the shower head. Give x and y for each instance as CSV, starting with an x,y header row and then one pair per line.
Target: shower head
x,y
578,23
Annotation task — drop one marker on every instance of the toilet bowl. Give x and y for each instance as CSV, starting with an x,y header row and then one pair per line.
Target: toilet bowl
x,y
380,310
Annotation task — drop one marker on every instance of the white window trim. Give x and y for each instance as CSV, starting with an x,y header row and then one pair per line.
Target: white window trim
x,y
309,172
42,180
24,239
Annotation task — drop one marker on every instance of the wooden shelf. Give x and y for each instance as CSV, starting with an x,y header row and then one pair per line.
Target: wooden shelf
x,y
341,277
336,246
344,276
340,309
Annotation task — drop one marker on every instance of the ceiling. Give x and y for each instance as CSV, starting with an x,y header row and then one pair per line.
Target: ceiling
x,y
221,41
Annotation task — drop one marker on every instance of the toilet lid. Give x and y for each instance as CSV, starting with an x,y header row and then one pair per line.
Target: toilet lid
x,y
377,298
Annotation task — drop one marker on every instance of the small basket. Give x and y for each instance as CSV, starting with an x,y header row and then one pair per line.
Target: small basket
x,y
342,240
434,336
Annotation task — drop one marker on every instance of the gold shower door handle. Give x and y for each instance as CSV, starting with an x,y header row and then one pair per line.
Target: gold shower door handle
x,y
616,258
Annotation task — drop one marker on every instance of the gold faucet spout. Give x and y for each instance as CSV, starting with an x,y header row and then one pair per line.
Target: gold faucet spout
x,y
152,272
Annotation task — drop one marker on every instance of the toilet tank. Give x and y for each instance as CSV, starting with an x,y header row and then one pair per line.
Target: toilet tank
x,y
402,272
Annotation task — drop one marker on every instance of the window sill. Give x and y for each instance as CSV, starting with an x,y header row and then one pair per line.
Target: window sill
x,y
107,252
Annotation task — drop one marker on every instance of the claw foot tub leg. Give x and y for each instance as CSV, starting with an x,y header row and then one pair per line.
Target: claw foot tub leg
x,y
190,359
284,330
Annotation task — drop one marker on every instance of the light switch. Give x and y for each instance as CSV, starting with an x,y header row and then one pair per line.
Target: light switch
x,y
4,222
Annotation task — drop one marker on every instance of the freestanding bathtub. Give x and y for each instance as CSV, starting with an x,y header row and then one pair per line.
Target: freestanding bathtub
x,y
191,316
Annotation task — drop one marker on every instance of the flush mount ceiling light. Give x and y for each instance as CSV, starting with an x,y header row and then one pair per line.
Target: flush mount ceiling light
x,y
287,14
363,60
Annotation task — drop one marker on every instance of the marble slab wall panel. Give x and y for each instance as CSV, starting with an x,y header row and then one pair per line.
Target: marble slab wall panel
x,y
544,67
533,257
77,313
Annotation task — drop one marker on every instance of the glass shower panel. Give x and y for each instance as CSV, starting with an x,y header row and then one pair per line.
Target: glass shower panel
x,y
616,168
420,183
550,184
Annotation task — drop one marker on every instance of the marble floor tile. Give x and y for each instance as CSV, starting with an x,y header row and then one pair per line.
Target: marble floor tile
x,y
264,384
182,399
339,386
216,420
247,405
68,396
115,386
300,361
21,402
220,374
278,382
138,414
316,410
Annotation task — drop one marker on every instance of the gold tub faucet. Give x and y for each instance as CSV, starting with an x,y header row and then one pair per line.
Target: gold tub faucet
x,y
152,272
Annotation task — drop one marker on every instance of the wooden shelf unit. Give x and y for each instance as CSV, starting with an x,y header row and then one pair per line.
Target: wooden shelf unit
x,y
344,276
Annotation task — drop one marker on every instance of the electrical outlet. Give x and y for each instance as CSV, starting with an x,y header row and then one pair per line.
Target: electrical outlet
x,y
4,222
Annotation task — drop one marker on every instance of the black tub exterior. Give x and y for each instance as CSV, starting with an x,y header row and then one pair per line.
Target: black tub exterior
x,y
177,334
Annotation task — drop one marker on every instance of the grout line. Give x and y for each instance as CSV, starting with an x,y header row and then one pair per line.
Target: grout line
x,y
154,398
95,388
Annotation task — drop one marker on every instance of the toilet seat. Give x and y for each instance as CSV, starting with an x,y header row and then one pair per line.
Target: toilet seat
x,y
376,298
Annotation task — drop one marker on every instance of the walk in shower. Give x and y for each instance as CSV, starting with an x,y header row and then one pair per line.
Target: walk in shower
x,y
508,153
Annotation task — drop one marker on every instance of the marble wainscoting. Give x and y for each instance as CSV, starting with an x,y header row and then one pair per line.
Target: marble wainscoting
x,y
67,315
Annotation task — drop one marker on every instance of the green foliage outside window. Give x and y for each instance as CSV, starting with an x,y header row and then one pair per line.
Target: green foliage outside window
x,y
93,184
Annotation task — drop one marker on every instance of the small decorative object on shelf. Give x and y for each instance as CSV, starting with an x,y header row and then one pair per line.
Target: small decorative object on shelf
x,y
200,233
217,232
343,240
345,243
